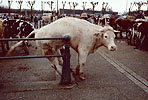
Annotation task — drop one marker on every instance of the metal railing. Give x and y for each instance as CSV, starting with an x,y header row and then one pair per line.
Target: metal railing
x,y
66,73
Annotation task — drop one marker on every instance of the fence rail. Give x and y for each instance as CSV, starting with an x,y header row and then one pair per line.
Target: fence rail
x,y
66,73
19,39
27,57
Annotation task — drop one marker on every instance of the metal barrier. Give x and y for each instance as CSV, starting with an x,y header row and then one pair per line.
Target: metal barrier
x,y
66,73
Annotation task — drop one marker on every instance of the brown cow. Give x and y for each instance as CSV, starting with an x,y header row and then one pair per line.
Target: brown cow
x,y
124,25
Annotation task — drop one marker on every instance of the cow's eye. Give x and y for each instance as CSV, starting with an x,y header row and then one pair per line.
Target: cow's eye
x,y
105,37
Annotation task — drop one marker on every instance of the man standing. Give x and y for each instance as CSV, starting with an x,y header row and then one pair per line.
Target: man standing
x,y
84,16
5,17
35,21
140,15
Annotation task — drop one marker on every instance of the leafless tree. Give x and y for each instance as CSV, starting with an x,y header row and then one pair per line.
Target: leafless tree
x,y
84,5
63,3
42,6
20,2
146,3
31,4
9,5
139,4
93,6
74,6
104,6
50,3
130,8
70,4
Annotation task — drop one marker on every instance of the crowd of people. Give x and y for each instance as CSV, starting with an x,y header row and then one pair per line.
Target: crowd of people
x,y
89,17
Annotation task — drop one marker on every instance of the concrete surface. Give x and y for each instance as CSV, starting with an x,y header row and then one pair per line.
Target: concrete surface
x,y
103,81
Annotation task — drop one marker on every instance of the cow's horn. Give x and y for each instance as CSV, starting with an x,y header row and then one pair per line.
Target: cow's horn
x,y
116,31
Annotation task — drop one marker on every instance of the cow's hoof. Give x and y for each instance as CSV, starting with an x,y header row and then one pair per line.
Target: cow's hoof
x,y
81,76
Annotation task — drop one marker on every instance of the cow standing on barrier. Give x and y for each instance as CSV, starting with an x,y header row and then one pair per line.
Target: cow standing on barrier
x,y
16,29
86,38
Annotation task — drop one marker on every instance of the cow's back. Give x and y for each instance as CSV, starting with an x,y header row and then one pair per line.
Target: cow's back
x,y
77,29
15,28
66,26
26,28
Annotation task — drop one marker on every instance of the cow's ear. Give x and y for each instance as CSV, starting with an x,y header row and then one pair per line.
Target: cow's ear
x,y
97,35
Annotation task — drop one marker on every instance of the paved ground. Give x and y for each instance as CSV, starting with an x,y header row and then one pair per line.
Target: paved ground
x,y
104,81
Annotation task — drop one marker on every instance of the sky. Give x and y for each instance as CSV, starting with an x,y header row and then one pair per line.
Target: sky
x,y
116,5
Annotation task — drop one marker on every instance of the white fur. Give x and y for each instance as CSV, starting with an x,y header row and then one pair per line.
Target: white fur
x,y
85,38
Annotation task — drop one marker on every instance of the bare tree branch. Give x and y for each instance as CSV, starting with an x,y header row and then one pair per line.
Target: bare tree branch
x,y
139,4
94,5
50,3
31,4
20,2
9,5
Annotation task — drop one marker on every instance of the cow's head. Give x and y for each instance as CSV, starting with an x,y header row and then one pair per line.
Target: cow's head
x,y
106,36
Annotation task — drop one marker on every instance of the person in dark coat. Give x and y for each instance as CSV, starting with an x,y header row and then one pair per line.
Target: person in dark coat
x,y
140,15
35,21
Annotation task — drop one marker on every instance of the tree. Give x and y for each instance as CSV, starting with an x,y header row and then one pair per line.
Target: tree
x,y
31,4
50,3
70,4
93,6
74,6
20,2
146,3
42,6
139,4
63,3
84,5
9,5
130,8
104,6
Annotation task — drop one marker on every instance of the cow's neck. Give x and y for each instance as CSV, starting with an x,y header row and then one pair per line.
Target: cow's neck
x,y
97,44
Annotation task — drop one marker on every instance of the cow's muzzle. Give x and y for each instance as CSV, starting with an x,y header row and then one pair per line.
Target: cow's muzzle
x,y
113,48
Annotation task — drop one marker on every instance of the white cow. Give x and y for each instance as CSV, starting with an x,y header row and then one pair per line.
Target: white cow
x,y
85,39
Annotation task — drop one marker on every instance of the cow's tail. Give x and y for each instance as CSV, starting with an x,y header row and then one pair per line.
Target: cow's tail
x,y
19,43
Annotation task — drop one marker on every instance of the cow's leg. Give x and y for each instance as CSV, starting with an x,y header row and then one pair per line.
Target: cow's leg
x,y
3,46
54,60
7,44
25,47
82,60
60,58
78,67
121,35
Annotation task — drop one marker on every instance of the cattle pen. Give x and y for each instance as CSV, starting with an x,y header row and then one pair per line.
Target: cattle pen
x,y
66,73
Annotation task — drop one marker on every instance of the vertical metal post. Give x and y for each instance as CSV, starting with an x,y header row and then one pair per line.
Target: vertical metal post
x,y
66,73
